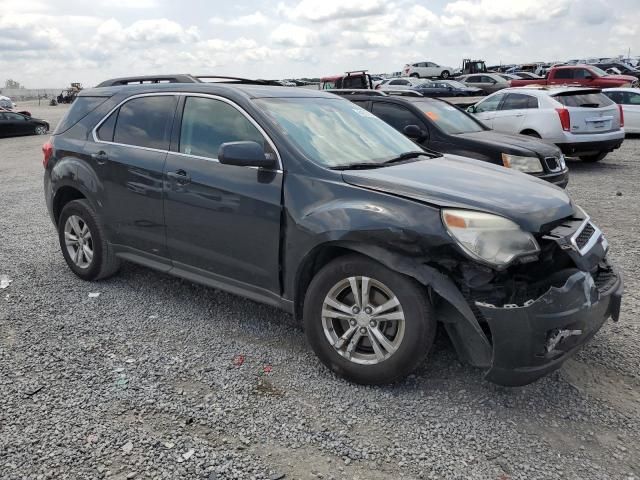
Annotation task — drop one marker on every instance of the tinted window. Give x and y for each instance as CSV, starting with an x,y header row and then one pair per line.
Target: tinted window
x,y
581,73
395,115
14,117
105,132
591,100
486,79
208,123
632,98
354,82
473,79
449,118
518,101
80,107
146,122
564,73
490,104
398,82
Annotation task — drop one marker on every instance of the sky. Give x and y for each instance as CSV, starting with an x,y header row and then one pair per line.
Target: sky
x,y
50,43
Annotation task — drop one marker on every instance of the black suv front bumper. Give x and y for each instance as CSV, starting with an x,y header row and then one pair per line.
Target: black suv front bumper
x,y
534,339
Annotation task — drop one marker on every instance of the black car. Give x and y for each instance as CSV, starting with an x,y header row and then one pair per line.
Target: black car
x,y
13,124
303,200
622,68
446,88
442,127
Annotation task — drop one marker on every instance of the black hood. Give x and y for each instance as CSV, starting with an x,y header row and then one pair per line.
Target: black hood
x,y
518,144
460,182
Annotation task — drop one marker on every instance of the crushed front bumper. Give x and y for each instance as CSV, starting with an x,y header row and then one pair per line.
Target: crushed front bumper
x,y
533,339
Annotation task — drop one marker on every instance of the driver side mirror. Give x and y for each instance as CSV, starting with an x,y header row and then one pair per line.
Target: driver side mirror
x,y
472,109
413,132
244,154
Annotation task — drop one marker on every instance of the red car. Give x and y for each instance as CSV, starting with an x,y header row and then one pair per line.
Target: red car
x,y
583,75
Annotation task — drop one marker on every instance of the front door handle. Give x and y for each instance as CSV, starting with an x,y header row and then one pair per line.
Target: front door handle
x,y
180,176
101,157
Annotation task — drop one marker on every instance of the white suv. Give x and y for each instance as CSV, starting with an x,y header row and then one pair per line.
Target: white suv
x,y
426,70
583,122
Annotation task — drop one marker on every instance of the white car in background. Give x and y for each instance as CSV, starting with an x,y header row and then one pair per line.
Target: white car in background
x,y
402,83
426,70
629,100
582,122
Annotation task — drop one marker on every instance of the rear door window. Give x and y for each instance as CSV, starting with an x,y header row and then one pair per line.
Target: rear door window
x,y
564,73
518,101
490,104
587,100
208,123
395,115
146,122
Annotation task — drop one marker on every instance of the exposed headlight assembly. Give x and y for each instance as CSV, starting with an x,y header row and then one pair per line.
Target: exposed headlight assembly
x,y
522,164
488,238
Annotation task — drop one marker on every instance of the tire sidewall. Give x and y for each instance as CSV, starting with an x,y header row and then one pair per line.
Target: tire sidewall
x,y
445,74
419,332
83,210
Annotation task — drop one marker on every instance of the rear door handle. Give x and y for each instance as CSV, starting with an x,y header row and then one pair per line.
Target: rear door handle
x,y
101,157
180,176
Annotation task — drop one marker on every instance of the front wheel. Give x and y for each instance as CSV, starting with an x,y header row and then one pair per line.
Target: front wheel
x,y
593,158
366,322
40,130
445,74
414,75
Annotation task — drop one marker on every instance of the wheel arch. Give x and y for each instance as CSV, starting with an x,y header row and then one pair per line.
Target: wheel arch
x,y
531,132
465,332
64,195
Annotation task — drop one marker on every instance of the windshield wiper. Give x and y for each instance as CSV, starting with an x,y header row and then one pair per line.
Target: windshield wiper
x,y
410,155
356,166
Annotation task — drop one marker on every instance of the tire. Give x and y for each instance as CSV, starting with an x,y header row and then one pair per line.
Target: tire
x,y
78,220
408,339
40,130
415,75
445,74
593,158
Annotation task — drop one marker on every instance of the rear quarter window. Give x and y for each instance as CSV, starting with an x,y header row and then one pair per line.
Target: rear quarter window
x,y
586,100
80,108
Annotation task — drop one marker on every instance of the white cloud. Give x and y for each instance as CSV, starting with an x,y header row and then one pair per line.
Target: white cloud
x,y
323,10
497,11
291,35
252,20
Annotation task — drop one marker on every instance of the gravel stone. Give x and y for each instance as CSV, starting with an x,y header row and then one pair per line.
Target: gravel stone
x,y
149,364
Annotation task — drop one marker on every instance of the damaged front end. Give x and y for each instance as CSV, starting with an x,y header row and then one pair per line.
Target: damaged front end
x,y
535,314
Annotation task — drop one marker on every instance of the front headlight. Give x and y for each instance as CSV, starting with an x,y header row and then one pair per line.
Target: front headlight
x,y
522,164
489,238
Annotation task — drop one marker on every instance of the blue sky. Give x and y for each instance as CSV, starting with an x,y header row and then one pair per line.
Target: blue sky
x,y
49,43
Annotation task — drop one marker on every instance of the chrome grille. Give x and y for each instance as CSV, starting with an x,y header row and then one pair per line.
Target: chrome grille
x,y
553,164
583,237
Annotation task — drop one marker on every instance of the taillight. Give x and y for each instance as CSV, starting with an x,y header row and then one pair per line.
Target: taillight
x,y
565,119
47,151
621,115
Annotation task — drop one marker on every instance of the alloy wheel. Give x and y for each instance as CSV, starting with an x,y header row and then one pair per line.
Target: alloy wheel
x,y
40,130
78,240
363,320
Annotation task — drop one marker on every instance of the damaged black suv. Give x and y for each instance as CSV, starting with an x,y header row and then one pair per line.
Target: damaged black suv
x,y
305,201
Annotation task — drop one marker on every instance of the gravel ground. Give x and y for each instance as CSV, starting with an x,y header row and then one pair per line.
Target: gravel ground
x,y
159,378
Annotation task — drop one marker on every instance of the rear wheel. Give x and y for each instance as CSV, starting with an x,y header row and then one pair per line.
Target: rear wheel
x,y
593,158
83,242
445,74
366,322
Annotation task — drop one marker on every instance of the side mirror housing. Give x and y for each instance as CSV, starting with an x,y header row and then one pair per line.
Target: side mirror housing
x,y
413,131
471,109
244,154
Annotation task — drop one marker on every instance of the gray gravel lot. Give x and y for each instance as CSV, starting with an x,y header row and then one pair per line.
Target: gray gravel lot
x,y
146,379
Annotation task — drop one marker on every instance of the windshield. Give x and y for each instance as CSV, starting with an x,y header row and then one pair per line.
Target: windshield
x,y
449,119
336,132
598,71
456,84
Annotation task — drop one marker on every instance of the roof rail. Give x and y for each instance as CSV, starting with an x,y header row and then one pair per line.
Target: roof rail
x,y
356,91
237,80
404,93
144,79
356,71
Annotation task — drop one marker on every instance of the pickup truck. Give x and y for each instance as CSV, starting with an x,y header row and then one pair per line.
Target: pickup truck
x,y
583,75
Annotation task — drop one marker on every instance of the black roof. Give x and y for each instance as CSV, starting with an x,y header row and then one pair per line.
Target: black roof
x,y
248,90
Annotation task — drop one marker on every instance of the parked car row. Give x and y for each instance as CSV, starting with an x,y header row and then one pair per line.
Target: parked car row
x,y
15,124
370,239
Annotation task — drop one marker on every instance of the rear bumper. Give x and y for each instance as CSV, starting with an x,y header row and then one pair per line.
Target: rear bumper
x,y
606,142
533,340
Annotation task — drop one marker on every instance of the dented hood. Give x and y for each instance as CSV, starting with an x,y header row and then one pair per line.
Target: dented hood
x,y
460,182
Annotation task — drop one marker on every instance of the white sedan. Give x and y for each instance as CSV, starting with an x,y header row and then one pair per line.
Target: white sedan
x,y
629,99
